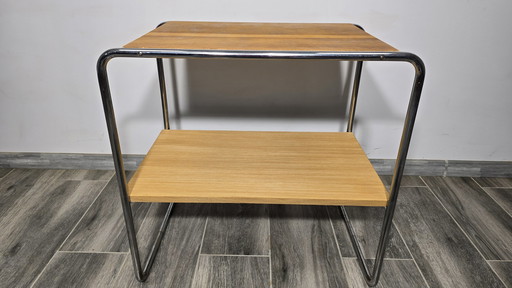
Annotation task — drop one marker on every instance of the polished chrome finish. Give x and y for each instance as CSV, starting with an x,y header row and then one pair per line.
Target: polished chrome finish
x,y
178,53
163,92
355,92
372,277
176,102
156,244
141,274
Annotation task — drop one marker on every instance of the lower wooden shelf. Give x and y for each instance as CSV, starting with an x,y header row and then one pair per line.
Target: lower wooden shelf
x,y
314,168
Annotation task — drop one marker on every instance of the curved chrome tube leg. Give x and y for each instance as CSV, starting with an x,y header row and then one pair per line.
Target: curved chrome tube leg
x,y
355,92
163,92
176,100
108,108
372,277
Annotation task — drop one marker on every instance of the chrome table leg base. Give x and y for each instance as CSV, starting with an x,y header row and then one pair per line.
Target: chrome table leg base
x,y
371,275
142,273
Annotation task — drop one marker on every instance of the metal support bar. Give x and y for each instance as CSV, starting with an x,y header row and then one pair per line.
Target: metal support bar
x,y
176,102
372,277
163,92
355,92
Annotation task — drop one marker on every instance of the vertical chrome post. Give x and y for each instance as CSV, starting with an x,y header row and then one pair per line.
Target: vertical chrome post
x,y
176,103
373,277
140,274
355,92
118,161
163,92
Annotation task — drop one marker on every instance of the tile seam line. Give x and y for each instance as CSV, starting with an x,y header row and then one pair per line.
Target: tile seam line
x,y
2,178
493,199
92,252
497,275
409,250
337,244
234,255
465,234
71,231
200,248
269,248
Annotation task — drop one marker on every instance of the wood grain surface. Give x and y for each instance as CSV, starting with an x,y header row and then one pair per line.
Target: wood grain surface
x,y
4,171
473,209
102,228
395,274
367,223
502,196
81,270
232,272
494,182
407,181
445,256
236,36
177,258
319,168
304,252
504,270
237,229
38,209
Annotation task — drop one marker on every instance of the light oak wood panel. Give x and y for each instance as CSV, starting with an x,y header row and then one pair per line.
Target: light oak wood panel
x,y
317,168
260,37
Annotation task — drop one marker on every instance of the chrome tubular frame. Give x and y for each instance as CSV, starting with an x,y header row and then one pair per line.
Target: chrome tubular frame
x,y
355,92
371,277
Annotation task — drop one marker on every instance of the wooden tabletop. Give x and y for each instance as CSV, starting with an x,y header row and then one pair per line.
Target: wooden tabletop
x,y
314,168
233,36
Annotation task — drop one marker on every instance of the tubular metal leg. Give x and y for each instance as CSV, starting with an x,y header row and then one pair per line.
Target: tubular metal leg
x,y
372,277
176,102
355,92
140,273
163,92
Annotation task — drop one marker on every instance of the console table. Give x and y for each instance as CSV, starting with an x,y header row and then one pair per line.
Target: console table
x,y
311,168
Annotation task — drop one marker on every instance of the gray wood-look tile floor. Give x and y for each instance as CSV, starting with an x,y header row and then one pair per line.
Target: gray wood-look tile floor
x,y
64,228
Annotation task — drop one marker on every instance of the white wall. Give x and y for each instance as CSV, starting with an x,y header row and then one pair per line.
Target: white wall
x,y
49,97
